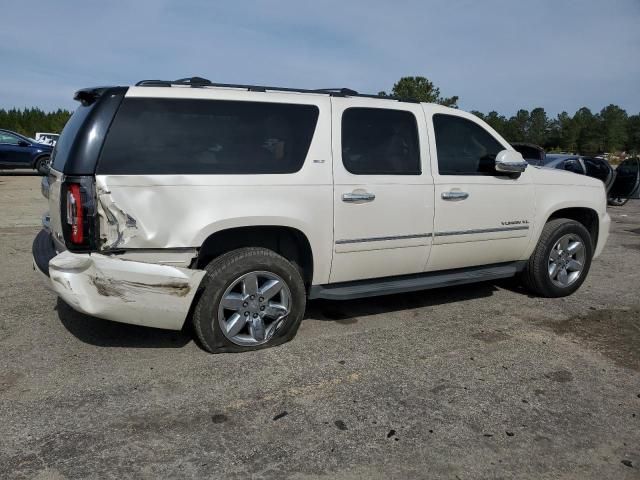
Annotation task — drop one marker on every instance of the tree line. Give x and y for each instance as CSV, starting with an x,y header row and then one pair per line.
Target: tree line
x,y
609,130
585,132
28,121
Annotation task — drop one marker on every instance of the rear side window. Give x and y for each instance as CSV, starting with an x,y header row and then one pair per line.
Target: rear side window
x,y
378,141
464,147
184,136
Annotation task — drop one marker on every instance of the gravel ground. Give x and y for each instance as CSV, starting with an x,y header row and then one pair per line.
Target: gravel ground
x,y
481,381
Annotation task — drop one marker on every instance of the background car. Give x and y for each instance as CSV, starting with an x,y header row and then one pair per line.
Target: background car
x,y
622,183
590,166
18,151
627,182
47,137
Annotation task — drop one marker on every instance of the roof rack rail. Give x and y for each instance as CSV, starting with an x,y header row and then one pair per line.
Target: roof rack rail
x,y
198,82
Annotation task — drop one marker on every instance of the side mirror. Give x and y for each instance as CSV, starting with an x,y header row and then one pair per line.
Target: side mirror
x,y
22,143
510,161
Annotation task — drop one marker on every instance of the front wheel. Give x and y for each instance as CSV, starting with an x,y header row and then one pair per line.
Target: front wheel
x,y
252,298
561,260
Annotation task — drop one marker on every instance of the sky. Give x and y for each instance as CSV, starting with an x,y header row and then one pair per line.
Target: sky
x,y
498,55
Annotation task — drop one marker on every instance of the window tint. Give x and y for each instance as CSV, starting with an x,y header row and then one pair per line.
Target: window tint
x,y
183,136
378,141
464,147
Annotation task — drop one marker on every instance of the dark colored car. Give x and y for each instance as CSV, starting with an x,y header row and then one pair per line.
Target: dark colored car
x,y
622,183
18,151
590,166
627,182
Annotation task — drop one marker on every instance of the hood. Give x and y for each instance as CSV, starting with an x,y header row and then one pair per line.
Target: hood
x,y
553,176
43,146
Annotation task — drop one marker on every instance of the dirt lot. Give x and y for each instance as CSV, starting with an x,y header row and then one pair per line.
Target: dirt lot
x,y
482,381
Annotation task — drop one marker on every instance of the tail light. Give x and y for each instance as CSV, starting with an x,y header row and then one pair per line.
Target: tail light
x,y
74,214
78,213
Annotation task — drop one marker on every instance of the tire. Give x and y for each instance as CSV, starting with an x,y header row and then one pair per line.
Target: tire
x,y
617,201
230,277
40,164
537,275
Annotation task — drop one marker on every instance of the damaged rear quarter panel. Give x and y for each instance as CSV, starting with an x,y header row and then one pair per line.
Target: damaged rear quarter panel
x,y
117,227
181,211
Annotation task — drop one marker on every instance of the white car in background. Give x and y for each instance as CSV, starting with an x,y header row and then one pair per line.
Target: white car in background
x,y
47,138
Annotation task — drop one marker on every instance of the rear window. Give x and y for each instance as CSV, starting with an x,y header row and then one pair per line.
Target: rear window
x,y
62,150
184,136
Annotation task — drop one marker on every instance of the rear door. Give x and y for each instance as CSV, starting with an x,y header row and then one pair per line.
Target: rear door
x,y
627,182
383,190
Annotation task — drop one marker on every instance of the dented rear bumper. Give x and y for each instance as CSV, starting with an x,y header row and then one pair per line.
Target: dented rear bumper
x,y
122,290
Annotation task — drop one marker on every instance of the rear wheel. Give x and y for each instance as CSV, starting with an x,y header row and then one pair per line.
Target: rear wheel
x,y
561,260
617,201
252,298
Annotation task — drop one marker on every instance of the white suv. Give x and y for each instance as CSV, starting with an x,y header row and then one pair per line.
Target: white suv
x,y
237,203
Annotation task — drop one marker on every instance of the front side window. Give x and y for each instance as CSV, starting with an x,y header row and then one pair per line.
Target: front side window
x,y
185,136
464,147
377,141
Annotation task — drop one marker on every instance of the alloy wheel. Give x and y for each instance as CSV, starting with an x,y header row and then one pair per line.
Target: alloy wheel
x,y
566,260
253,307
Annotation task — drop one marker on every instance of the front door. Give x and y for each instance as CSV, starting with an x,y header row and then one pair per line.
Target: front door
x,y
482,217
383,190
12,151
627,182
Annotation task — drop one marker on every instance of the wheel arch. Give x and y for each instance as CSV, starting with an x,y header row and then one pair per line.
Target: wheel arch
x,y
287,241
586,216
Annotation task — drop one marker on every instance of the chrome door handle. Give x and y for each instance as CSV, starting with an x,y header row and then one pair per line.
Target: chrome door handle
x,y
358,197
454,195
